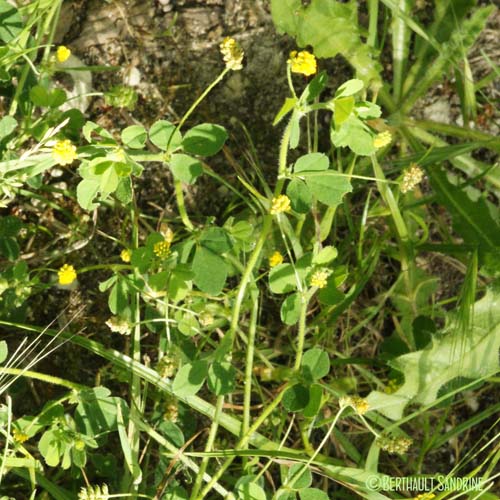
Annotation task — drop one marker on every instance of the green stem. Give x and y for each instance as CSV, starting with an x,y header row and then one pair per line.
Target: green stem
x,y
316,452
227,343
373,23
181,205
243,442
400,39
188,113
249,368
405,244
135,380
179,195
304,302
208,447
49,379
38,41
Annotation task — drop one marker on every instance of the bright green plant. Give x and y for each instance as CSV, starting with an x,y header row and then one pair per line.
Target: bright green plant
x,y
238,346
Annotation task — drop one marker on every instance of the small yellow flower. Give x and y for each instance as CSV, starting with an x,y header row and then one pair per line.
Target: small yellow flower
x,y
303,62
425,496
383,139
125,255
411,178
67,274
276,259
64,152
232,53
161,249
19,437
393,444
62,53
359,404
319,278
280,204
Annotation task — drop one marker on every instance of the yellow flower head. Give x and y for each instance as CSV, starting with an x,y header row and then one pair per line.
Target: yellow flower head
x,y
303,62
393,444
161,249
125,255
382,140
411,178
276,259
62,53
64,152
360,405
19,437
320,277
425,496
280,204
232,53
67,274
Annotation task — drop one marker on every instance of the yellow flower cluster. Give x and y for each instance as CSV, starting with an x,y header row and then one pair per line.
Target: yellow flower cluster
x,y
412,177
276,259
64,152
126,255
382,140
280,204
320,278
162,249
303,62
62,53
67,274
232,53
19,437
360,405
394,444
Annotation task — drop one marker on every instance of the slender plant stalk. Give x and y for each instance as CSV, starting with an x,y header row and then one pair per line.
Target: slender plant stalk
x,y
178,184
49,379
400,39
53,13
247,395
304,302
373,23
405,244
208,447
135,380
181,205
243,442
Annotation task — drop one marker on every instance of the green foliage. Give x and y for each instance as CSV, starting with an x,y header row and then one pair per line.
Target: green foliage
x,y
121,96
313,25
475,220
248,329
206,139
427,370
